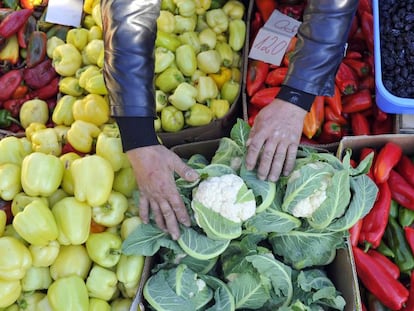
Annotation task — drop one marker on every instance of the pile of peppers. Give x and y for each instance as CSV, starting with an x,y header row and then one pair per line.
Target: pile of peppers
x,y
383,241
352,109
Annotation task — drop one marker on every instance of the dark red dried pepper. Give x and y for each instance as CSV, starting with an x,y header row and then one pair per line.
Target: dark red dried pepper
x,y
401,191
388,157
375,222
13,22
256,75
40,74
14,105
36,48
264,96
23,34
392,293
356,102
9,83
359,124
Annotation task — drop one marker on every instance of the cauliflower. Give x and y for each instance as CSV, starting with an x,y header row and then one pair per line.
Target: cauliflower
x,y
227,195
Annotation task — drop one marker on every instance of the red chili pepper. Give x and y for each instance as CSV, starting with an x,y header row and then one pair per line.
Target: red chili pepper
x,y
276,76
354,232
357,102
266,8
335,101
256,75
346,79
20,91
47,91
255,25
388,157
13,22
375,222
401,191
392,293
367,27
382,127
409,235
9,83
405,167
359,124
361,68
36,48
40,74
25,31
409,305
264,96
331,132
387,264
331,116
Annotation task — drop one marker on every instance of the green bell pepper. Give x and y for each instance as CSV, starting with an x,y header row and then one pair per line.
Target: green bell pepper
x,y
121,304
36,223
21,200
167,40
184,96
405,217
230,90
166,21
128,271
64,266
96,304
73,219
36,278
33,110
29,301
186,7
111,213
237,34
226,53
191,38
172,119
168,5
67,179
44,255
9,292
101,283
12,150
161,100
198,115
10,184
202,6
128,225
209,61
185,23
41,174
163,59
14,264
92,51
206,89
186,59
68,294
217,20
104,248
234,9
219,107
124,181
62,114
93,178
109,146
169,79
208,39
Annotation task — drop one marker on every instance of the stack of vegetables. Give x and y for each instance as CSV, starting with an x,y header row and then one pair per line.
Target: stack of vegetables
x,y
255,244
352,109
197,61
383,241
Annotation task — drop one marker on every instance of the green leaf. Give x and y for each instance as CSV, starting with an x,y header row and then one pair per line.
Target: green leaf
x,y
213,170
363,166
240,133
249,291
271,221
223,298
228,153
197,161
199,246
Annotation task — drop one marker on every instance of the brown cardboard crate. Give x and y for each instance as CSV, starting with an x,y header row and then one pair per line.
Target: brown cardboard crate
x,y
341,271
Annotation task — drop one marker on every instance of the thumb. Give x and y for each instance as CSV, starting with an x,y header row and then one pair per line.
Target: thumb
x,y
184,171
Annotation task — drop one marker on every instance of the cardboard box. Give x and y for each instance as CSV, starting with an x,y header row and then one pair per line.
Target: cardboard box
x,y
341,271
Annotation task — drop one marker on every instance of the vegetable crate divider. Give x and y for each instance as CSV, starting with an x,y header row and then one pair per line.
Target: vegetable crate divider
x,y
341,270
218,127
356,143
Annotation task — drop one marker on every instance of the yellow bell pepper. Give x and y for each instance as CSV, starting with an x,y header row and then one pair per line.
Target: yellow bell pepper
x,y
209,61
88,21
86,72
121,304
191,38
217,20
9,181
167,40
96,85
27,145
166,21
15,259
94,32
221,77
36,223
73,219
104,248
88,5
66,59
62,114
46,141
64,265
91,52
230,90
9,292
11,150
128,225
96,14
125,181
43,305
36,278
81,135
3,221
109,146
51,44
41,174
33,110
101,283
96,304
9,231
21,200
68,294
93,178
28,301
56,196
206,89
185,23
172,119
92,108
129,271
184,96
44,255
70,86
208,39
32,128
219,107
77,37
226,53
198,115
186,60
10,50
202,6
169,79
61,133
67,180
111,213
234,9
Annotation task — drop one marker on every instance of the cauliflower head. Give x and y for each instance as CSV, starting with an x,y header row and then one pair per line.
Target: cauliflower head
x,y
227,195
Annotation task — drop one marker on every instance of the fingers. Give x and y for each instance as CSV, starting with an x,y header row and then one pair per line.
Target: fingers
x,y
184,171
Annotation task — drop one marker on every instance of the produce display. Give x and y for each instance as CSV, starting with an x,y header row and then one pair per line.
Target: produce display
x,y
352,109
255,244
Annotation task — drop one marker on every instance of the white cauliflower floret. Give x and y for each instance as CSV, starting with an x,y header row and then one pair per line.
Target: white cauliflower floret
x,y
307,206
220,195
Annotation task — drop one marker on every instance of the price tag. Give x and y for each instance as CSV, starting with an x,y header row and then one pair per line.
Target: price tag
x,y
273,38
65,12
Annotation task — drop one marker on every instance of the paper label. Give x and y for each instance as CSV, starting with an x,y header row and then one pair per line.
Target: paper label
x,y
273,38
65,12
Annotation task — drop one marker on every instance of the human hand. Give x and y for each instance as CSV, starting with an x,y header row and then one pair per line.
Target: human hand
x,y
154,168
274,139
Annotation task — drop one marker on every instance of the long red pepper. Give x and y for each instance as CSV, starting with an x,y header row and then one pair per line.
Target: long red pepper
x,y
406,169
276,76
409,236
367,26
356,102
354,232
9,83
365,152
264,97
409,305
330,115
392,293
388,157
401,191
13,22
266,8
359,124
346,79
256,75
383,260
375,222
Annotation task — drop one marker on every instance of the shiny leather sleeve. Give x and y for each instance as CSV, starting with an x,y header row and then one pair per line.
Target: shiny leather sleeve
x,y
129,32
321,44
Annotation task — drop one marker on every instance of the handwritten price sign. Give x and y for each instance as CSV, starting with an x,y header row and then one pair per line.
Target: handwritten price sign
x,y
273,38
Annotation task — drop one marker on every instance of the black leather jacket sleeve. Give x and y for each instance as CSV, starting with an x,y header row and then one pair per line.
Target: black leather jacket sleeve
x,y
321,45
